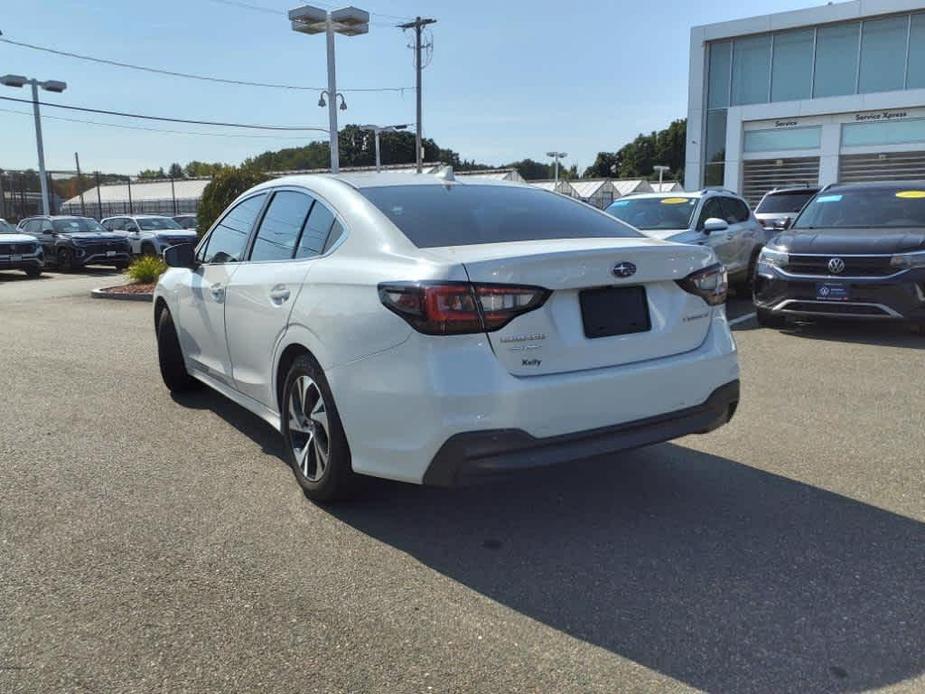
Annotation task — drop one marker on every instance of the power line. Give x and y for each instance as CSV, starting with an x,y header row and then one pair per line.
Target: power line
x,y
188,75
166,118
269,10
154,130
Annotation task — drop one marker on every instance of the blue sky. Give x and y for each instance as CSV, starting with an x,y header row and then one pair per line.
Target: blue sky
x,y
508,80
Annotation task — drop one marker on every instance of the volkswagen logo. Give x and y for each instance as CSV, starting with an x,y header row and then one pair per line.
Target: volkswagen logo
x,y
624,269
836,266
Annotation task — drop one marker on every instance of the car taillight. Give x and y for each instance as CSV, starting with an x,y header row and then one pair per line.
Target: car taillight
x,y
454,308
710,284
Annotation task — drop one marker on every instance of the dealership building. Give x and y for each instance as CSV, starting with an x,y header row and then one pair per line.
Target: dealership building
x,y
830,93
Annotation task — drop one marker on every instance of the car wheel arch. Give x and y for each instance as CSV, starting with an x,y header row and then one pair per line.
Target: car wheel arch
x,y
288,356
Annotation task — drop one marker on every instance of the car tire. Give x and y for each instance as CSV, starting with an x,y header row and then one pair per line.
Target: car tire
x,y
752,268
170,357
766,319
33,272
65,260
316,446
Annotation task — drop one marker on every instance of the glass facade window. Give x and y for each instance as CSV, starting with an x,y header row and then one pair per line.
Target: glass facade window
x,y
792,70
883,54
775,139
751,70
720,63
897,132
836,60
916,77
715,150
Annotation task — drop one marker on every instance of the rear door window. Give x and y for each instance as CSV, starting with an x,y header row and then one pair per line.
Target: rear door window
x,y
316,232
712,208
279,231
228,239
465,214
734,211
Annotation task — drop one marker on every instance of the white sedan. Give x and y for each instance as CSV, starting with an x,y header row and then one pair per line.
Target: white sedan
x,y
431,330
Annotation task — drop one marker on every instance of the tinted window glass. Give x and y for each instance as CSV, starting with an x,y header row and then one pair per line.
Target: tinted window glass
x,y
455,215
226,242
76,225
734,211
336,231
883,133
785,202
792,70
316,231
916,77
836,60
32,226
720,57
281,225
650,214
751,65
865,207
6,227
157,223
772,139
712,208
883,54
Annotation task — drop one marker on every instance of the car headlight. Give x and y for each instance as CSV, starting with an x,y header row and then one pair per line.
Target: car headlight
x,y
769,256
905,261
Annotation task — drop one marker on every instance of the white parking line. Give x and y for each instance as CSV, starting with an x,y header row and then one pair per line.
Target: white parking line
x,y
741,319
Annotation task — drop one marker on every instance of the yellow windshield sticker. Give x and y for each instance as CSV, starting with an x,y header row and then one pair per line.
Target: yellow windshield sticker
x,y
674,201
911,194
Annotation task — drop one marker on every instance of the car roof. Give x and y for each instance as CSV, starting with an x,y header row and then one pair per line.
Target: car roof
x,y
794,189
370,179
876,185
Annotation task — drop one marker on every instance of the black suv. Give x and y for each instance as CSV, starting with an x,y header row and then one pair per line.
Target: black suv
x,y
855,251
72,242
779,207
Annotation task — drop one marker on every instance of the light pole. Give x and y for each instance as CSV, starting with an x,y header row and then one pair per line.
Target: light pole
x,y
19,82
557,156
348,21
661,168
376,129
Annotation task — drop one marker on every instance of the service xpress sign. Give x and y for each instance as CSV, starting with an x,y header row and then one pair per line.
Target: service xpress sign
x,y
881,115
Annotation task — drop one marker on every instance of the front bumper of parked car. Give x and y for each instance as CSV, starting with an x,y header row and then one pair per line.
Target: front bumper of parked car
x,y
84,255
21,261
897,296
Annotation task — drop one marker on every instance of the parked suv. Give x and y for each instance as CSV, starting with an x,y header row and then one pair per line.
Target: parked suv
x,y
424,329
779,207
186,221
20,251
715,218
73,242
855,251
149,234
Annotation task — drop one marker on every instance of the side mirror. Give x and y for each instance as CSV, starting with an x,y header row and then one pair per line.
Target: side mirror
x,y
181,255
714,224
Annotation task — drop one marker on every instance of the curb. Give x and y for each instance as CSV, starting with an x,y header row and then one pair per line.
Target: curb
x,y
104,293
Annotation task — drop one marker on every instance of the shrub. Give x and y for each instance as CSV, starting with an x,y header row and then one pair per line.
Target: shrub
x,y
225,186
146,269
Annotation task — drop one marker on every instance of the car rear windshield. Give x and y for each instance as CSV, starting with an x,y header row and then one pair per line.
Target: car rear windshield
x,y
76,225
461,215
157,223
847,208
655,213
791,201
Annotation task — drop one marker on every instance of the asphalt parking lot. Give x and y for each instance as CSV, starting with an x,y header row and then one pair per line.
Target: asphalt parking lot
x,y
153,544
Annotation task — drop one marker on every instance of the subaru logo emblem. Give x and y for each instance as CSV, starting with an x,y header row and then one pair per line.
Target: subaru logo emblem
x,y
624,269
836,266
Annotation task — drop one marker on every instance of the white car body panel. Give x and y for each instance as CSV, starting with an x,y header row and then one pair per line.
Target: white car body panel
x,y
400,393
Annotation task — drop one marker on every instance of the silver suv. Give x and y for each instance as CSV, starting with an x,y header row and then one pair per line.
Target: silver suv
x,y
712,217
149,234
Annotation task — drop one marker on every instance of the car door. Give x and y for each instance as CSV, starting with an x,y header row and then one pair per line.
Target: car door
x,y
722,242
201,296
737,215
291,235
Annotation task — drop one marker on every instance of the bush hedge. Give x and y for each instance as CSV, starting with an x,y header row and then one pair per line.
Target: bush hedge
x,y
146,269
224,187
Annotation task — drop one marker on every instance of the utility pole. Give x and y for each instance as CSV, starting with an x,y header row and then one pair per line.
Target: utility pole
x,y
418,25
80,186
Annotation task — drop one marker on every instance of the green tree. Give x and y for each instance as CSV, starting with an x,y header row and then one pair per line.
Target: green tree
x,y
151,173
200,168
638,158
225,186
175,171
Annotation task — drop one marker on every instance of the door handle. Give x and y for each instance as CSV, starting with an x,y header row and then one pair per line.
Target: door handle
x,y
279,294
217,291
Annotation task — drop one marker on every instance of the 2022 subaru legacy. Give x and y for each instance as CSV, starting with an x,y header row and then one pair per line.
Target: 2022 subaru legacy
x,y
431,330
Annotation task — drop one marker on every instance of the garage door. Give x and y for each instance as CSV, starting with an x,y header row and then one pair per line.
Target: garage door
x,y
853,168
762,175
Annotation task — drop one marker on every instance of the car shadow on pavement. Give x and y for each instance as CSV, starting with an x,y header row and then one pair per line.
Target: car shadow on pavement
x,y
717,574
868,333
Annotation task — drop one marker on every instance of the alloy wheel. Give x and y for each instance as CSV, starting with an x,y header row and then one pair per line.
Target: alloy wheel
x,y
309,434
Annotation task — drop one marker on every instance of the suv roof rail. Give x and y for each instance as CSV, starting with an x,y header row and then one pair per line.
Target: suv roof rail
x,y
718,189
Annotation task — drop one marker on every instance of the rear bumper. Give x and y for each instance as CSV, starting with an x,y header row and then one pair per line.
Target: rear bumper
x,y
472,455
898,297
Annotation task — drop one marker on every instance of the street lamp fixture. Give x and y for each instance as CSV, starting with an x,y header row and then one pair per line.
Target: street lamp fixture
x,y
661,168
557,156
56,86
347,21
322,102
376,129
